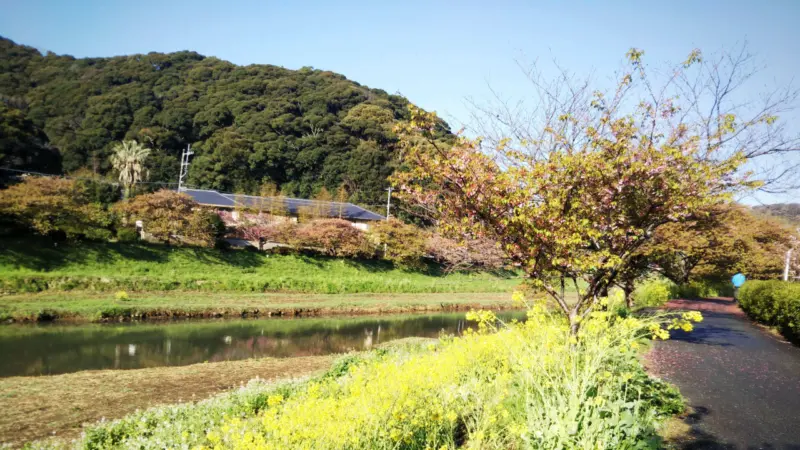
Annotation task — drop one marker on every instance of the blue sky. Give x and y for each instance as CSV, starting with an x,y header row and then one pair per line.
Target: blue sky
x,y
434,52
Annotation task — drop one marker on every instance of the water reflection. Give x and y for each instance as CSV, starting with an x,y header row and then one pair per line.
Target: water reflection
x,y
54,349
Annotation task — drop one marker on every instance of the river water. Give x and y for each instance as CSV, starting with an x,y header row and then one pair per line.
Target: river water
x,y
54,349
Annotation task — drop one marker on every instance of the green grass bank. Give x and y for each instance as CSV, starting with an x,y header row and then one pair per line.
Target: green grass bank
x,y
36,265
82,306
41,281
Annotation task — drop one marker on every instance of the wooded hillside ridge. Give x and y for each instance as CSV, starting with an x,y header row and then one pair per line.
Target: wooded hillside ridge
x,y
789,212
300,129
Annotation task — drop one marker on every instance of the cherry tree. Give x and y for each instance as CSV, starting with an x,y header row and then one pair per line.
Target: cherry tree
x,y
583,208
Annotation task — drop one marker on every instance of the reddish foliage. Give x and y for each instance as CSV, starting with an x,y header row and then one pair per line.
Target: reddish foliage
x,y
282,233
471,254
334,237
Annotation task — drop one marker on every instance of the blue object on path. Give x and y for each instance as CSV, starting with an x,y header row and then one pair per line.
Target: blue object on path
x,y
738,280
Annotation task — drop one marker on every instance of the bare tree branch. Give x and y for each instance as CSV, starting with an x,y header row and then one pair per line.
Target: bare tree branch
x,y
705,95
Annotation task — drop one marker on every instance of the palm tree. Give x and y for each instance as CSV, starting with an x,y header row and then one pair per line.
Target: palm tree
x,y
128,159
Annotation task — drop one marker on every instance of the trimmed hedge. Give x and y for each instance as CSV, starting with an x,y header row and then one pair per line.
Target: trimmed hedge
x,y
658,291
703,289
774,303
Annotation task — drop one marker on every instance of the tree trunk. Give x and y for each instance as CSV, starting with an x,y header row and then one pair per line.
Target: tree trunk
x,y
574,325
628,290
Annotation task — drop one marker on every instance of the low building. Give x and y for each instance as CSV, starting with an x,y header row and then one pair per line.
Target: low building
x,y
292,208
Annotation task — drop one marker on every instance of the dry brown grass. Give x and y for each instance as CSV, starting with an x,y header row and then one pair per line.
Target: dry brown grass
x,y
675,431
40,407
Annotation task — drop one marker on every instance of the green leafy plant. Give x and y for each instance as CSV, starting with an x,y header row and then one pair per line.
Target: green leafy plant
x,y
654,292
702,289
774,303
127,234
400,243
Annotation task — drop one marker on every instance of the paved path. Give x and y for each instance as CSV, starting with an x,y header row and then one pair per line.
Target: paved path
x,y
743,382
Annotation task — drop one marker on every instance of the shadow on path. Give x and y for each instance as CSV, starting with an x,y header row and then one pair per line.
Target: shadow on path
x,y
742,382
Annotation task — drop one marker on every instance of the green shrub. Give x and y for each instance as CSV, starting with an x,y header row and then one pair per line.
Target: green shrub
x,y
215,223
402,244
653,293
115,312
657,291
100,191
774,303
127,234
703,289
664,397
46,315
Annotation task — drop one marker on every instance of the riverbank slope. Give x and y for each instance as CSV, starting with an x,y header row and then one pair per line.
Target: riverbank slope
x,y
31,264
42,281
58,405
89,306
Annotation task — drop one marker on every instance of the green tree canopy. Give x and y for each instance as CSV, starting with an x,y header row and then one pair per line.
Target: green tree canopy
x,y
53,206
23,145
302,129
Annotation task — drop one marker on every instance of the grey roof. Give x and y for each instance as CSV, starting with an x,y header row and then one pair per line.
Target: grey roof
x,y
293,205
211,198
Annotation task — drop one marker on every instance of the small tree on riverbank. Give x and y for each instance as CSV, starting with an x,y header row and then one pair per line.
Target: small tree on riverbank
x,y
169,215
582,209
53,206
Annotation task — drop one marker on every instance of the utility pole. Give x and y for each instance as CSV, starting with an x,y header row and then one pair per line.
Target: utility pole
x,y
388,201
184,166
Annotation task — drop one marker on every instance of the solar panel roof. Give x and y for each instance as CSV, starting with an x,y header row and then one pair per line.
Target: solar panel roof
x,y
293,205
212,198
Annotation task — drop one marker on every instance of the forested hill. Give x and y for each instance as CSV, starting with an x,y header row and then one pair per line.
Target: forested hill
x,y
789,212
302,129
